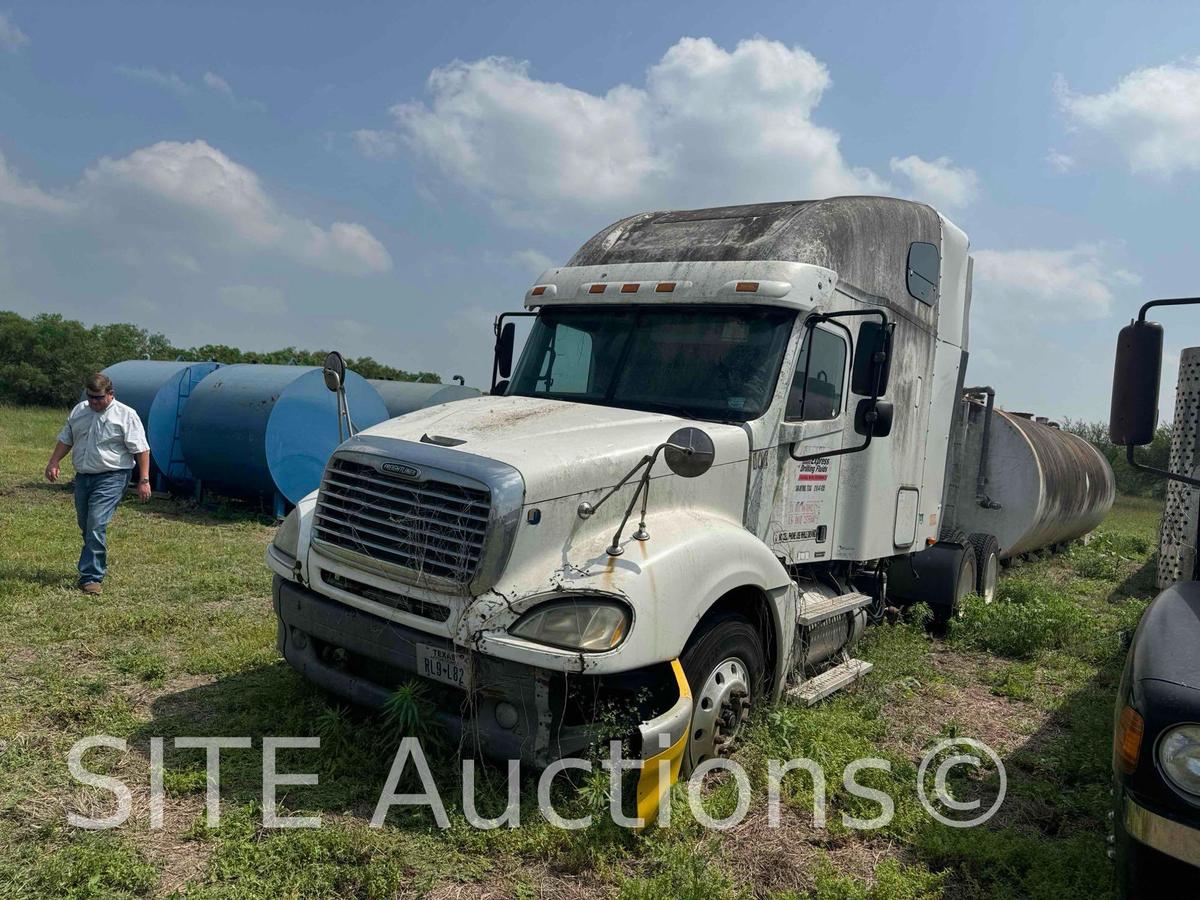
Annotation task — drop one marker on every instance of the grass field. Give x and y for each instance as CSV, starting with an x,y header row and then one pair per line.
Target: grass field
x,y
182,642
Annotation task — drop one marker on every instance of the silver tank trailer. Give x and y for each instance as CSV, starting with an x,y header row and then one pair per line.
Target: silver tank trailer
x,y
1051,486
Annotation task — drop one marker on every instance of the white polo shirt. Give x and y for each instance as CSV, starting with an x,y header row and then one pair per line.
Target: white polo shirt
x,y
104,441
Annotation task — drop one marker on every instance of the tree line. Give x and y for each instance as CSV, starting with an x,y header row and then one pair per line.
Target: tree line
x,y
44,359
1129,480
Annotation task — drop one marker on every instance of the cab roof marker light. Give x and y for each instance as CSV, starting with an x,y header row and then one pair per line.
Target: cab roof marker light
x,y
597,288
746,287
664,287
630,288
538,291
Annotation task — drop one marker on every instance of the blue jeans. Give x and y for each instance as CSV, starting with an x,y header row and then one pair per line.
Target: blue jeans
x,y
96,498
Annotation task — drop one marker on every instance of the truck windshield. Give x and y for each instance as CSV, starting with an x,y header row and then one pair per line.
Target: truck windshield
x,y
703,362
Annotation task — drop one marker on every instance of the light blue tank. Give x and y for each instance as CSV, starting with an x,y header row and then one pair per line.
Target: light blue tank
x,y
262,430
158,390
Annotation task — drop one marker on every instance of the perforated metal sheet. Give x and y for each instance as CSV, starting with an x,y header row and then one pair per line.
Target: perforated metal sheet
x,y
1181,513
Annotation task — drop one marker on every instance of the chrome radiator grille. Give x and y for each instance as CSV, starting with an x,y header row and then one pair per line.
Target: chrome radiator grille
x,y
430,529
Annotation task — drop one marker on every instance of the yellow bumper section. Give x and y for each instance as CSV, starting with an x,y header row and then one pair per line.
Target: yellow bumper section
x,y
666,738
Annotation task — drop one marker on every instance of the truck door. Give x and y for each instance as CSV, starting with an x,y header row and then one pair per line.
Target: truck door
x,y
815,419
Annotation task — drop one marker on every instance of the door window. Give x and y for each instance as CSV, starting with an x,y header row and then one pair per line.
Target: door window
x,y
826,378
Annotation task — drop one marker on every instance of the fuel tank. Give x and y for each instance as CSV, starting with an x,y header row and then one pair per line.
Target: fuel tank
x,y
403,397
1039,485
253,430
158,390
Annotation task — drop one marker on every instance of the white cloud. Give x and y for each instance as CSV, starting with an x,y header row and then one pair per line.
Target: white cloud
x,y
709,126
939,182
193,184
16,192
217,83
253,299
12,38
1152,114
1060,162
533,261
377,144
180,86
166,80
1053,285
192,195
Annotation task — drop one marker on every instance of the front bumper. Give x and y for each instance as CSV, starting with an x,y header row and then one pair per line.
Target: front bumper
x,y
1168,836
363,658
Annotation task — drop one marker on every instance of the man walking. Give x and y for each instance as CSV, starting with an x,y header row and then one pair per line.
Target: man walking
x,y
105,438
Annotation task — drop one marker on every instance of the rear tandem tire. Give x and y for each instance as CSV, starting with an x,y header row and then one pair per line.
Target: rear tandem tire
x,y
723,659
987,564
965,583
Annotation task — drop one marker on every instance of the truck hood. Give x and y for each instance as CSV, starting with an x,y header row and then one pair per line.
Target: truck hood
x,y
561,449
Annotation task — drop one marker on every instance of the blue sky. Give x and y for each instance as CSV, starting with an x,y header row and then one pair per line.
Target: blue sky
x,y
386,177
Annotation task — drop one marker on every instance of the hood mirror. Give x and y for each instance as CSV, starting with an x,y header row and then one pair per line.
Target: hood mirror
x,y
689,452
334,371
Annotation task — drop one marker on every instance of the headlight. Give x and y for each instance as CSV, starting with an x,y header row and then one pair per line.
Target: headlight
x,y
287,538
575,624
1179,757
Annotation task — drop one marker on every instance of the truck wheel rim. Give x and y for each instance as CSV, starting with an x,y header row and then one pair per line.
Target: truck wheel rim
x,y
991,575
721,706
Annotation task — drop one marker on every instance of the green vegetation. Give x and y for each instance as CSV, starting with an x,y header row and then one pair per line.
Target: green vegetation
x,y
44,360
1130,481
182,642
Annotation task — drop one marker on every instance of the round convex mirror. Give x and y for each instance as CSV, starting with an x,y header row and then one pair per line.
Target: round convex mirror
x,y
334,371
697,456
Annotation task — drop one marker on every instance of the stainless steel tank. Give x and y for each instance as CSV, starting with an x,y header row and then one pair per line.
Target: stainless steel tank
x,y
1041,485
402,397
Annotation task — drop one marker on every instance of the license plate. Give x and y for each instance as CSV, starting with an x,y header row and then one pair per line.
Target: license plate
x,y
442,665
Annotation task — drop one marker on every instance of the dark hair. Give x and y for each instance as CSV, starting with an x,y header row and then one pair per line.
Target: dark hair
x,y
98,384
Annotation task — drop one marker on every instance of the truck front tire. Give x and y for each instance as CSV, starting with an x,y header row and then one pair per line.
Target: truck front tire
x,y
725,667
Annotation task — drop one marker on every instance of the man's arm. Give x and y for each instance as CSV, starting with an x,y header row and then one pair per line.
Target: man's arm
x,y
60,450
143,467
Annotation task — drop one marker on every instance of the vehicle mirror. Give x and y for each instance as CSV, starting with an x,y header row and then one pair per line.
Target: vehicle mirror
x,y
872,359
501,388
1136,375
504,349
334,371
697,456
873,418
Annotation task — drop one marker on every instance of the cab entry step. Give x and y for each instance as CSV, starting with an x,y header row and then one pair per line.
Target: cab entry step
x,y
819,609
820,687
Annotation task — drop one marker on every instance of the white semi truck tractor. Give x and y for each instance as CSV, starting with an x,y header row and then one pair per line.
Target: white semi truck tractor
x,y
726,428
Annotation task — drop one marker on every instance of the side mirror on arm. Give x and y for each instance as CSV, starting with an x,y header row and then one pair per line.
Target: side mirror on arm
x,y
873,418
504,349
872,359
1137,373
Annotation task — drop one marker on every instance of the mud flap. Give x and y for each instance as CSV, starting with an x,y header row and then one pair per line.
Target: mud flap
x,y
664,739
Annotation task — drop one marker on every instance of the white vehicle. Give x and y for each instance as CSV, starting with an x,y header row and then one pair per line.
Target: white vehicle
x,y
725,426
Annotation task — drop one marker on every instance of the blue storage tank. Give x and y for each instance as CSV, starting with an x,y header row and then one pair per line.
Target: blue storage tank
x,y
159,390
402,397
255,430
